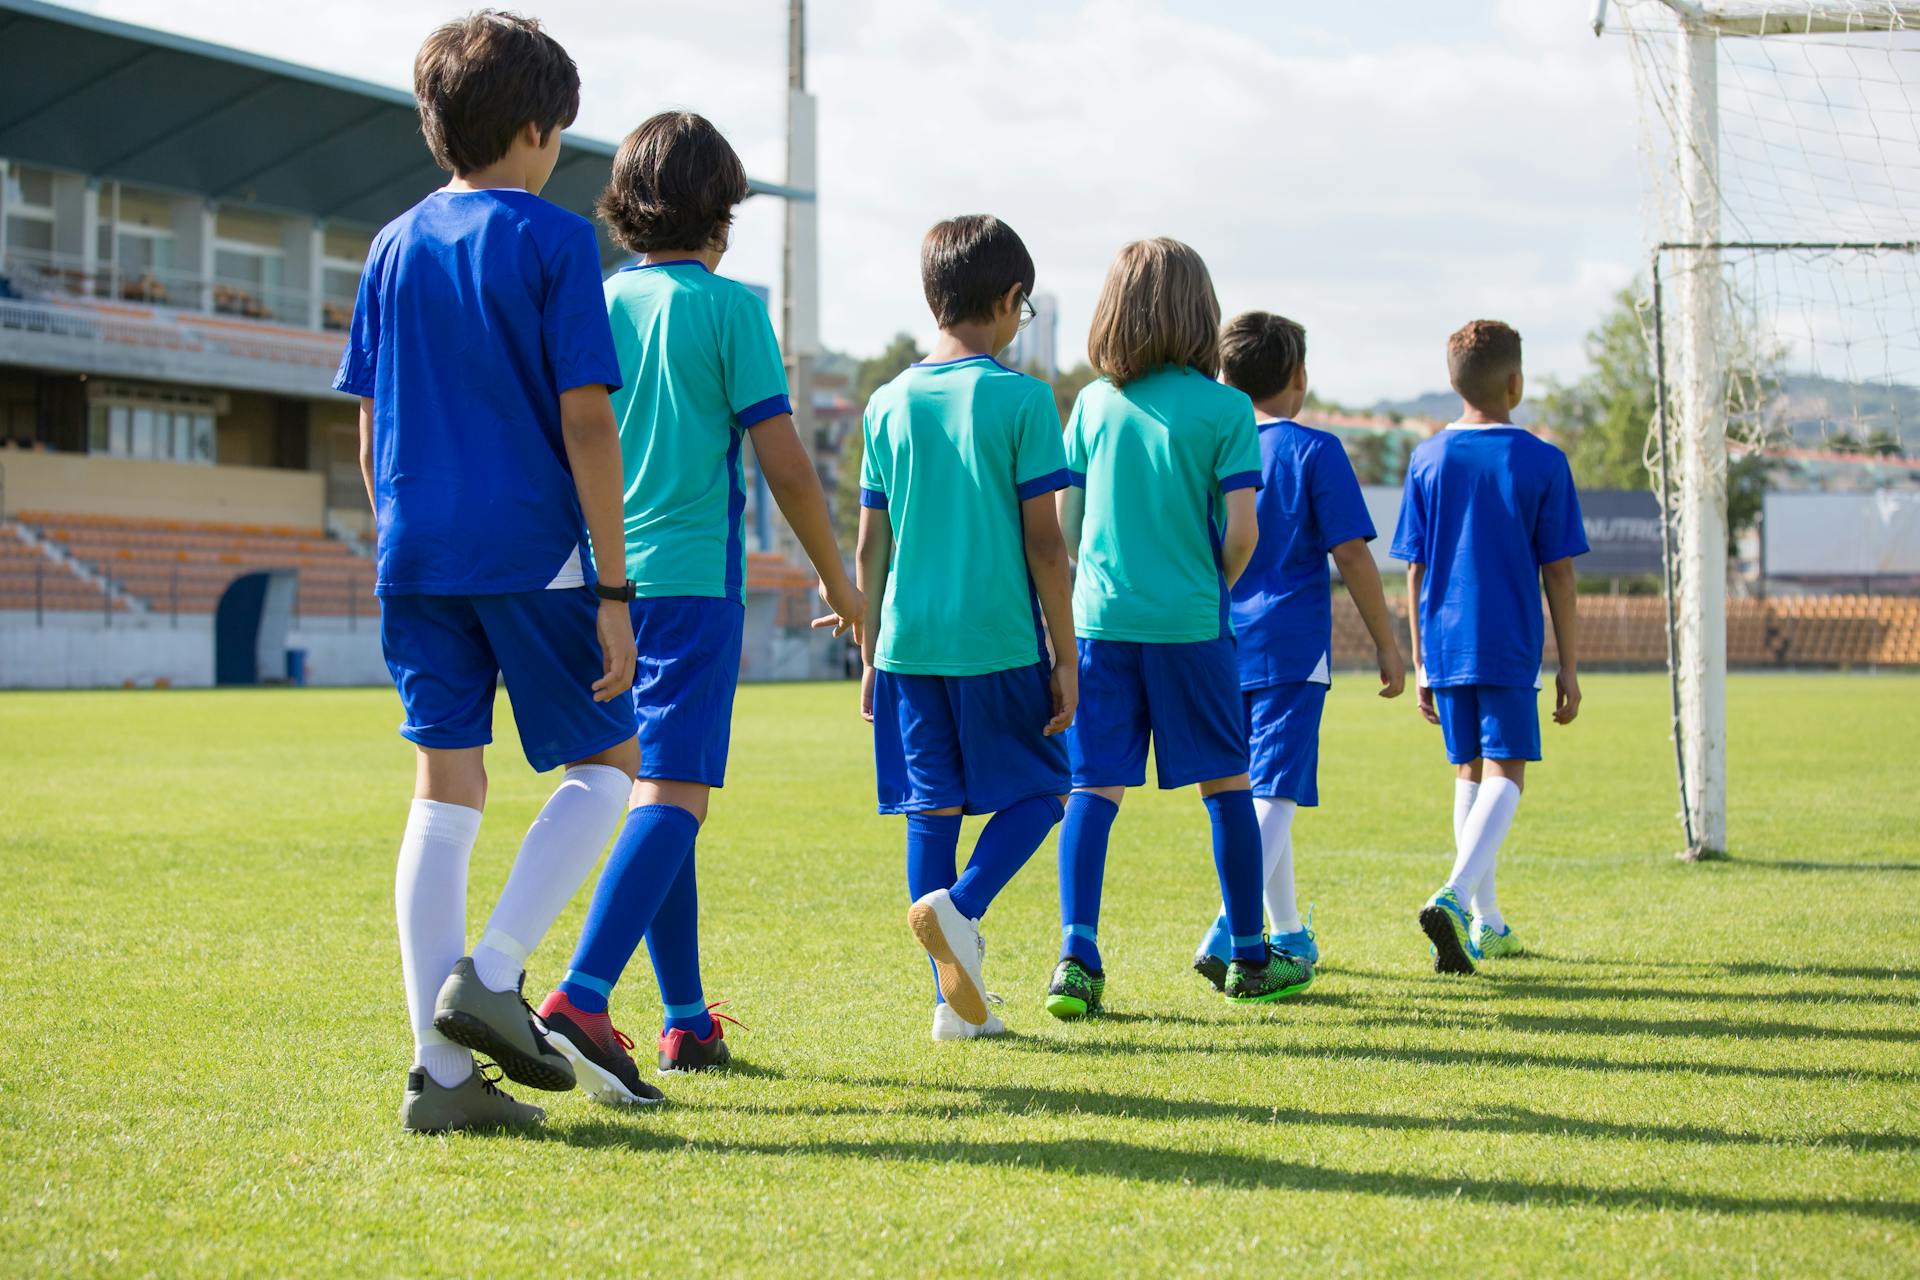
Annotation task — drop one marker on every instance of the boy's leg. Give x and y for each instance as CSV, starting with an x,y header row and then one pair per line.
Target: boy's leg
x,y
1275,817
1486,826
1084,833
1008,840
1236,860
1011,769
654,842
673,943
430,896
1107,753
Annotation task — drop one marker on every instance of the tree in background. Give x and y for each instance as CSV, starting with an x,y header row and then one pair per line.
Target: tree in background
x,y
1067,387
869,376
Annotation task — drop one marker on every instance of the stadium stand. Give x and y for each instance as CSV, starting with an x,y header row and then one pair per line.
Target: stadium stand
x,y
32,580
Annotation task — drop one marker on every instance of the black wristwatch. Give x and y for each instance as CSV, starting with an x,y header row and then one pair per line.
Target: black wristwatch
x,y
624,593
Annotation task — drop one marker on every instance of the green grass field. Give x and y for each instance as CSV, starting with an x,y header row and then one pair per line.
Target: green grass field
x,y
1710,1069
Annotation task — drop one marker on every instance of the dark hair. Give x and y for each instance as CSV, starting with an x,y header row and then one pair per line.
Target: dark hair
x,y
1481,356
482,79
968,263
1157,310
1259,353
675,182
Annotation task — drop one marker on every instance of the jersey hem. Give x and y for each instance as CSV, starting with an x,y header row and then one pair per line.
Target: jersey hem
x,y
1096,633
883,662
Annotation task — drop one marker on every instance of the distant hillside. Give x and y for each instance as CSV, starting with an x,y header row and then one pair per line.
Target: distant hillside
x,y
1815,409
1443,406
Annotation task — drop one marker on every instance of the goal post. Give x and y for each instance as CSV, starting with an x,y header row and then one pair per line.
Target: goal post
x,y
1807,149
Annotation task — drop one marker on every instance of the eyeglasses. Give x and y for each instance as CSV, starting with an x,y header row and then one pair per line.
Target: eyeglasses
x,y
1027,312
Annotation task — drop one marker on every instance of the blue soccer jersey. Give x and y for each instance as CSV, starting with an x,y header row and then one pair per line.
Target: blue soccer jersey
x,y
476,310
1283,603
1484,508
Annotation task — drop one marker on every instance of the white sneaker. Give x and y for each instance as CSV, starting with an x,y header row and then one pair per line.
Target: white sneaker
x,y
954,943
948,1025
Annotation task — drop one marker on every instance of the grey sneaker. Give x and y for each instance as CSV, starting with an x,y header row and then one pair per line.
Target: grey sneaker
x,y
475,1103
500,1025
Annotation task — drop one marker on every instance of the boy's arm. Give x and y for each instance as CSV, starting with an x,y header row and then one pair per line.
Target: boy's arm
x,y
1362,577
1243,533
366,457
1423,694
1047,563
796,490
592,441
1072,507
871,558
1563,603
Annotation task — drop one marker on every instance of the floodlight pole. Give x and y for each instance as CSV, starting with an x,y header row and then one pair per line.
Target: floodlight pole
x,y
800,273
1700,444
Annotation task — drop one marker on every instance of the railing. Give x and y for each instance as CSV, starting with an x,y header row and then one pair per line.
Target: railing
x,y
165,331
38,273
52,585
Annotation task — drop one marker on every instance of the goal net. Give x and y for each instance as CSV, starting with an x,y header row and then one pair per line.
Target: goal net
x,y
1782,144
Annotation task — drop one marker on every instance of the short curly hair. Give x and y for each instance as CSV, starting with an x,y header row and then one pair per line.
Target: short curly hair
x,y
675,183
483,78
1481,356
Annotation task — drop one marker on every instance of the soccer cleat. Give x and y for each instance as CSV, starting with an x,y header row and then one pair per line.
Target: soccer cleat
x,y
1445,925
428,1106
599,1053
1485,944
1282,975
948,1025
681,1050
1301,942
1212,968
953,941
500,1025
1076,991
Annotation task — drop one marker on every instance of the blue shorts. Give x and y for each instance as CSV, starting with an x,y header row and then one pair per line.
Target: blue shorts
x,y
683,683
970,741
1489,721
1187,695
447,652
1283,737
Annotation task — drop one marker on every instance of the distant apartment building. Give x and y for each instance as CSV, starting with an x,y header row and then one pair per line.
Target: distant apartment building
x,y
1035,348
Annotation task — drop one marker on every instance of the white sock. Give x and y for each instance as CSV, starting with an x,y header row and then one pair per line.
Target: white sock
x,y
561,847
430,901
1276,846
1480,837
1464,790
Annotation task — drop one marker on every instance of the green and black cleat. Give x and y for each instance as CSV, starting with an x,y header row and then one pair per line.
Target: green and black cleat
x,y
1212,968
1281,976
1076,991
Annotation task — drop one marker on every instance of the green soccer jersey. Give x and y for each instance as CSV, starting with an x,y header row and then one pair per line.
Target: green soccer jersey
x,y
1157,457
701,366
952,450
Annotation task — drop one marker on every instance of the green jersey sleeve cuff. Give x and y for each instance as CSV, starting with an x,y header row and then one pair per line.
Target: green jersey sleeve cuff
x,y
1078,479
1044,484
759,411
873,498
1241,480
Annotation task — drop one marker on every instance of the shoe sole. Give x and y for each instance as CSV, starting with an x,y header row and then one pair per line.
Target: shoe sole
x,y
595,1080
1213,971
473,1033
956,985
1067,1008
1449,953
1271,996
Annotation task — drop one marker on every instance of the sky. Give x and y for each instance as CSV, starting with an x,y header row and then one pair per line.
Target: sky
x,y
1381,172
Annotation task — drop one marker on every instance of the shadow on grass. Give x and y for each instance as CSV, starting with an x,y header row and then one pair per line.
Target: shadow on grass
x,y
1668,1028
1800,864
1103,1158
1538,984
1015,1101
1750,968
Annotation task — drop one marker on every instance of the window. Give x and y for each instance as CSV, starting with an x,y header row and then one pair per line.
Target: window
x,y
159,423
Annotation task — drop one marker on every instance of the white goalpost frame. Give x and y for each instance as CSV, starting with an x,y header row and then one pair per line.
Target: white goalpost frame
x,y
1697,374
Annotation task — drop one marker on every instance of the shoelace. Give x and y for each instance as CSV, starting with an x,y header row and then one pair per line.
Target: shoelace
x,y
490,1077
621,1038
713,1011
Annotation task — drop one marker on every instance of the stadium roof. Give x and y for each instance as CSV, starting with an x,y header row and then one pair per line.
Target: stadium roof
x,y
114,100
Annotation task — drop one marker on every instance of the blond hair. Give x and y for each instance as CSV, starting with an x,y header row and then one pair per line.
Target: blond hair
x,y
1157,308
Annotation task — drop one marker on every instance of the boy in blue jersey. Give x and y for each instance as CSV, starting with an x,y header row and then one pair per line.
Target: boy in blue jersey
x,y
1158,452
960,543
1489,518
482,359
1310,507
703,373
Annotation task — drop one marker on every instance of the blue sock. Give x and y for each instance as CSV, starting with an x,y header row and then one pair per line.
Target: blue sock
x,y
654,842
1219,940
1083,865
673,941
1236,857
933,843
1005,844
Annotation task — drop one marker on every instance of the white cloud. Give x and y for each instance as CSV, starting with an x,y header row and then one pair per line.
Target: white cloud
x,y
1379,173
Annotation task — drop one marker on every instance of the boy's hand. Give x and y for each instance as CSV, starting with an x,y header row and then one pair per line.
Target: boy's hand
x,y
1425,699
1066,697
848,608
1566,696
1393,672
866,693
615,627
